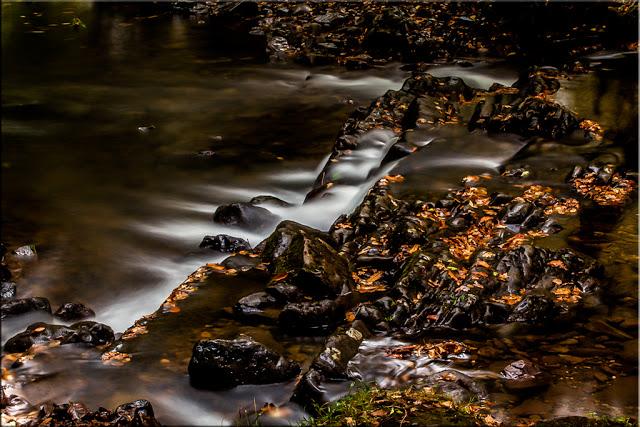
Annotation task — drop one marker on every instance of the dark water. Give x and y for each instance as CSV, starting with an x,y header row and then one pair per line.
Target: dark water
x,y
117,213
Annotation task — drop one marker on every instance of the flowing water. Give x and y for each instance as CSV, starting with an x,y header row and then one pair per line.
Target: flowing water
x,y
120,140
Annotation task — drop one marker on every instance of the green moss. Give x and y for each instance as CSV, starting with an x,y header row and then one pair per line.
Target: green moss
x,y
368,405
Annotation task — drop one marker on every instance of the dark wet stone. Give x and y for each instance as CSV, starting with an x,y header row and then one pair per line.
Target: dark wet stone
x,y
254,304
240,262
311,264
329,365
7,291
456,386
87,332
284,292
246,215
517,212
535,309
24,305
220,364
225,243
280,240
310,317
138,413
269,200
73,311
37,333
522,375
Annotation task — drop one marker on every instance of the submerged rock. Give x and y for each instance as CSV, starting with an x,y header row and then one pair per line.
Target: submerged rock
x,y
219,364
73,311
225,243
523,375
253,305
24,305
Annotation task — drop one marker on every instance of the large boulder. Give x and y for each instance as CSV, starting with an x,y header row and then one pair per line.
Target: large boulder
x,y
219,364
314,266
280,240
245,215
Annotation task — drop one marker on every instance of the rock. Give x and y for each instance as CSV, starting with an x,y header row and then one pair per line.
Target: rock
x,y
456,386
24,305
92,333
313,266
536,309
73,311
220,364
523,375
138,413
330,364
225,243
310,317
284,292
253,305
27,252
246,215
602,327
269,200
87,332
7,291
280,240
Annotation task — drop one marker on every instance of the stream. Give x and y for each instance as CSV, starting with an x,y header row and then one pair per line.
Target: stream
x,y
121,139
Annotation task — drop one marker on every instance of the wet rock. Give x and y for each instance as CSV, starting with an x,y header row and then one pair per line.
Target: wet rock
x,y
246,215
73,311
517,212
528,117
534,309
311,264
330,365
7,291
92,333
269,200
310,317
220,364
284,292
523,375
456,386
87,332
253,305
225,243
138,413
282,237
24,305
26,253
